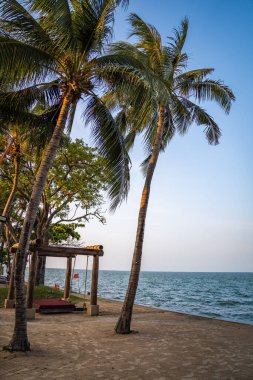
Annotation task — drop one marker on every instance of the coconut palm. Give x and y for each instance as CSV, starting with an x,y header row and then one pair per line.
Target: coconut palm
x,y
169,107
58,44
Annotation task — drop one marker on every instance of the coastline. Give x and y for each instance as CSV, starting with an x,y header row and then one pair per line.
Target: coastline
x,y
222,296
169,345
169,310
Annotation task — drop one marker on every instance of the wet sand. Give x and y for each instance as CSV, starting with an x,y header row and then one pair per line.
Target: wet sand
x,y
168,346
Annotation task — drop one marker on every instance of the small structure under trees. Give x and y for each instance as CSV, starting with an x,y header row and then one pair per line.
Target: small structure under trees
x,y
38,250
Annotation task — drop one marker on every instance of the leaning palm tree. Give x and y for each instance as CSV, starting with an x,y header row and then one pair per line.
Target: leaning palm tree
x,y
170,108
48,45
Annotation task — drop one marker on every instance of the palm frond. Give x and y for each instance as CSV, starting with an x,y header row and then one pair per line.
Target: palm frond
x,y
36,128
92,23
121,120
178,40
41,126
149,40
181,116
25,63
24,99
130,139
111,100
209,90
123,3
126,66
201,117
118,75
56,18
144,165
193,75
150,132
169,129
20,24
71,117
110,145
176,45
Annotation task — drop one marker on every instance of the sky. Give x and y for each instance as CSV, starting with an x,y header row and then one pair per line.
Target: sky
x,y
200,215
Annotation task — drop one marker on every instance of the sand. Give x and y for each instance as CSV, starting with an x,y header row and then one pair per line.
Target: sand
x,y
168,346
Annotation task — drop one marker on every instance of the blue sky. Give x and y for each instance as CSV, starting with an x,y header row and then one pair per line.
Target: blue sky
x,y
200,216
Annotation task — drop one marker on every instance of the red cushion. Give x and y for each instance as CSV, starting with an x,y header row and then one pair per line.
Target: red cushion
x,y
53,303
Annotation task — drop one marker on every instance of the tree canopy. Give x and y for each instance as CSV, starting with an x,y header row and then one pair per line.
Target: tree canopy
x,y
73,194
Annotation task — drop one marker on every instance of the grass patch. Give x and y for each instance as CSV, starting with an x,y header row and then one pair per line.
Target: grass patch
x,y
3,295
41,292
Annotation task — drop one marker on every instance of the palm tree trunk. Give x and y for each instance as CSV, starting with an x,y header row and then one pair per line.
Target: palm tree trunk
x,y
19,341
42,233
11,197
41,264
40,271
11,290
124,322
6,151
8,248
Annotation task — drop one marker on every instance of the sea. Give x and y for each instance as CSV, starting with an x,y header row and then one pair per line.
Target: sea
x,y
226,296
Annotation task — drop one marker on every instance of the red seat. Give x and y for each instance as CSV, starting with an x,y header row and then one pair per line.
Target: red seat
x,y
53,304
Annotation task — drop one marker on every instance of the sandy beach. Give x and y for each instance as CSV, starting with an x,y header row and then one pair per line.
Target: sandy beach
x,y
168,346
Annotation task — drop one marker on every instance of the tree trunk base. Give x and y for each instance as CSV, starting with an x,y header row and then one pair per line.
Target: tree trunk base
x,y
123,326
18,345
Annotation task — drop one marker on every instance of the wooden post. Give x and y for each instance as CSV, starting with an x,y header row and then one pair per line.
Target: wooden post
x,y
31,280
68,278
94,308
94,281
9,301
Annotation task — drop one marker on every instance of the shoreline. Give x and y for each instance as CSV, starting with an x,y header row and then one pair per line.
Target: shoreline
x,y
169,310
209,295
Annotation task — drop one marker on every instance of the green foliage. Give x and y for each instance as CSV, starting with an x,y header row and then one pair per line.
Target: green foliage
x,y
3,257
3,295
64,232
72,196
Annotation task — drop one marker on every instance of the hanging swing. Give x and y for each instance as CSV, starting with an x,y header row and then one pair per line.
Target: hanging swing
x,y
55,305
85,282
76,276
85,277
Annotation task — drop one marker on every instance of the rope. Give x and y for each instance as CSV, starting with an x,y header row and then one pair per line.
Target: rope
x,y
85,278
29,260
73,269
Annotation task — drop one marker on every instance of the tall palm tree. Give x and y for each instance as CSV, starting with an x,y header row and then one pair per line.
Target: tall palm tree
x,y
57,44
169,107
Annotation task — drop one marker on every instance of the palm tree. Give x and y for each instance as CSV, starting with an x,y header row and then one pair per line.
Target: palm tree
x,y
170,108
51,51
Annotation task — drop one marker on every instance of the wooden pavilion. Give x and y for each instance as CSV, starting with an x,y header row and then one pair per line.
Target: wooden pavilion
x,y
35,250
